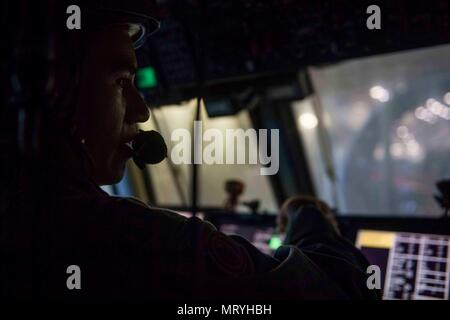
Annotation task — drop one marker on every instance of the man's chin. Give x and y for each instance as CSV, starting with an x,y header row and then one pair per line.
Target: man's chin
x,y
112,177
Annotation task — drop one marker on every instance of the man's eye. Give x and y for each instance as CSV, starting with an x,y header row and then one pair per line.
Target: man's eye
x,y
123,82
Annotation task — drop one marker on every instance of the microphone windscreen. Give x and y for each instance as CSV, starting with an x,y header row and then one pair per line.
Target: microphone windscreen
x,y
149,148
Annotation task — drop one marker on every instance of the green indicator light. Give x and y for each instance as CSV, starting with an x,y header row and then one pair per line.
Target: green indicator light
x,y
274,243
146,78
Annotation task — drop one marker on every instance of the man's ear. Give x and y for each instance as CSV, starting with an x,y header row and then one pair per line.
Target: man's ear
x,y
79,143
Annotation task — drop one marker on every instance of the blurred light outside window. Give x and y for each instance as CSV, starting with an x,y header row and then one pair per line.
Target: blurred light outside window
x,y
387,119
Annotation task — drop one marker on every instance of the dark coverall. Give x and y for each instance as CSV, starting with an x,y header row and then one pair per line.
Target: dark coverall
x,y
126,249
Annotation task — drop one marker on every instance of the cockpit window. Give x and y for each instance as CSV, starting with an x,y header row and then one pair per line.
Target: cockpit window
x,y
171,183
387,119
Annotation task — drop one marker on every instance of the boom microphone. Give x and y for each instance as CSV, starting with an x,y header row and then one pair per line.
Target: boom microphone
x,y
149,148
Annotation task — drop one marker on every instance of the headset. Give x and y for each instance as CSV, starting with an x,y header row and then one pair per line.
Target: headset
x,y
149,148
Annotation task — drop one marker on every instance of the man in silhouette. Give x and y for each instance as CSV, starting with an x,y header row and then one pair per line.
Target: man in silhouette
x,y
124,248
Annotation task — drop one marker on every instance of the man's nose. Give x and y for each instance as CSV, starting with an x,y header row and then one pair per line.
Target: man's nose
x,y
137,109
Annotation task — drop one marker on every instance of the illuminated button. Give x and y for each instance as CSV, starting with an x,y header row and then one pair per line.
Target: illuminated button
x,y
146,78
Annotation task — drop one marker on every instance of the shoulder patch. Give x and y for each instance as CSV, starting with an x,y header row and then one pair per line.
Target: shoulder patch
x,y
230,257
